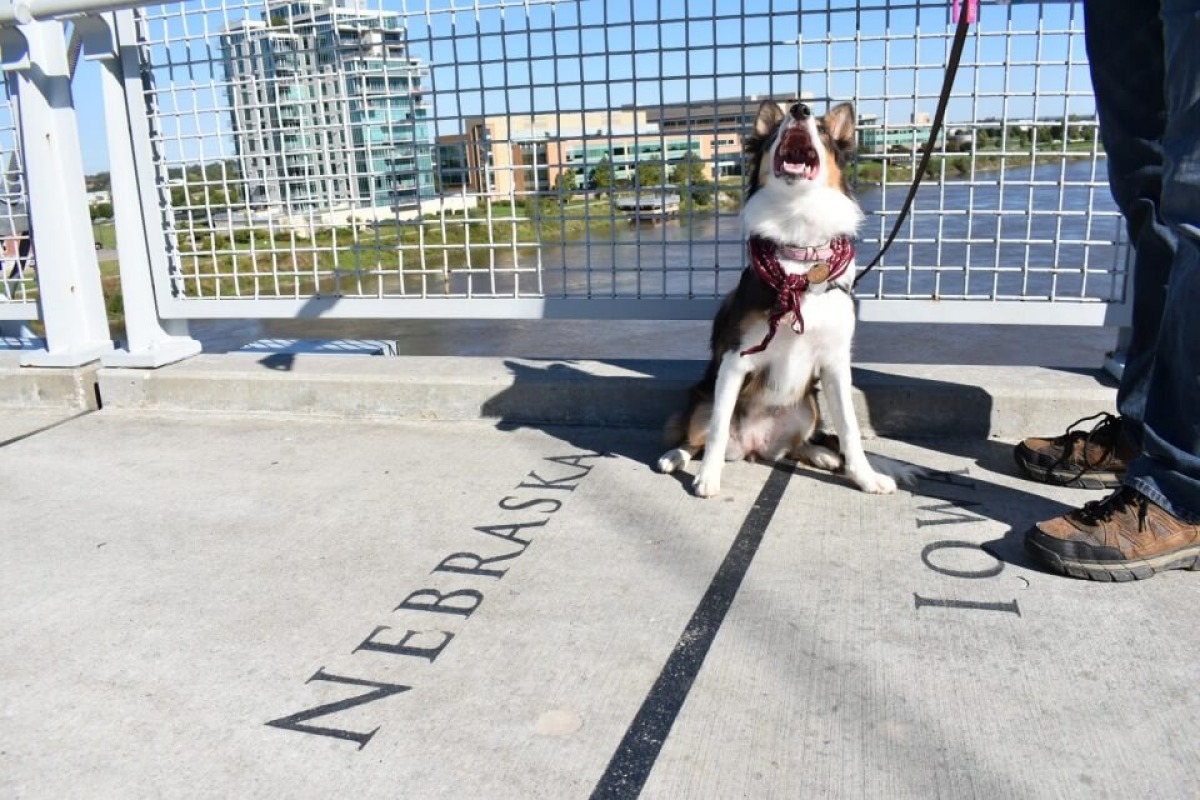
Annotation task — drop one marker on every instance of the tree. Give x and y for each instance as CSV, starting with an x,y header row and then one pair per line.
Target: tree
x,y
600,179
690,177
1017,136
649,174
100,182
225,171
1044,134
564,184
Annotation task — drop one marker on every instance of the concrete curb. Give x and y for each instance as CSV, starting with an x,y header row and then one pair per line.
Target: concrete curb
x,y
46,388
423,388
896,401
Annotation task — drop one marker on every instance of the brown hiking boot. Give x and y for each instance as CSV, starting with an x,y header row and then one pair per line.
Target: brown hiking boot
x,y
1125,537
1091,459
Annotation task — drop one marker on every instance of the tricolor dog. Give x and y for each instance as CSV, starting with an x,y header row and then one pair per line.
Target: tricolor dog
x,y
791,319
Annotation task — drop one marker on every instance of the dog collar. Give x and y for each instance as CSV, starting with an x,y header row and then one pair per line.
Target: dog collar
x,y
832,260
823,252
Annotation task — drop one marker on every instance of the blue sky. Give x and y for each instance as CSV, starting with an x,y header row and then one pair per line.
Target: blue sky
x,y
591,55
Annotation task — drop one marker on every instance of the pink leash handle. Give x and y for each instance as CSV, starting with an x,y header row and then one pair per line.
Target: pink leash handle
x,y
972,8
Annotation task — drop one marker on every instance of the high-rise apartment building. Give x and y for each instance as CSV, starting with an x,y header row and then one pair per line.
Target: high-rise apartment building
x,y
327,108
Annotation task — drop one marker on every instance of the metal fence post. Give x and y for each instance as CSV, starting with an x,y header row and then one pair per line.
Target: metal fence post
x,y
68,273
111,39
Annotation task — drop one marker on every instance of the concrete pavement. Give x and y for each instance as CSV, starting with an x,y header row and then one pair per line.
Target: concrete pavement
x,y
310,605
291,574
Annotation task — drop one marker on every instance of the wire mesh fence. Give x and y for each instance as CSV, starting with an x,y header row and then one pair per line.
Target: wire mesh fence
x,y
582,149
18,284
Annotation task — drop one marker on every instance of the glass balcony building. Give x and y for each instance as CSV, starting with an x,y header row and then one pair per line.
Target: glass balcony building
x,y
327,108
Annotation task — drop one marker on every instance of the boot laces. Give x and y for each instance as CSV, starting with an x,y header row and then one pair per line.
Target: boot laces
x,y
1096,511
1106,432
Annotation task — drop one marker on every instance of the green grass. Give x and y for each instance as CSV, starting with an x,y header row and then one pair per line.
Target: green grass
x,y
106,234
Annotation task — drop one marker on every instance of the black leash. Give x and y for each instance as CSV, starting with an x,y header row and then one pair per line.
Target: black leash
x,y
960,39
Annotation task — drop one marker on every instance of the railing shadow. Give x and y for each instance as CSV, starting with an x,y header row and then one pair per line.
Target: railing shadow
x,y
956,419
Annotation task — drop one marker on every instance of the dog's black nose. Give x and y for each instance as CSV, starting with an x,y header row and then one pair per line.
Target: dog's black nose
x,y
800,111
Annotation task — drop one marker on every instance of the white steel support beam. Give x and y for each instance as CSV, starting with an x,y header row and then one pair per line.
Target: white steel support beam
x,y
112,40
69,291
26,11
998,312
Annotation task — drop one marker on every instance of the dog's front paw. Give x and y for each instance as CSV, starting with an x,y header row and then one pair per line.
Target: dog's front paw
x,y
707,482
672,460
874,483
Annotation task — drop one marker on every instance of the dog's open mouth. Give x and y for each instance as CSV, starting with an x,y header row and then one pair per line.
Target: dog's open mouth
x,y
796,156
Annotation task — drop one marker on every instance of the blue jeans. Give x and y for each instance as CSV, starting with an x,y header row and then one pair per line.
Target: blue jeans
x,y
1145,62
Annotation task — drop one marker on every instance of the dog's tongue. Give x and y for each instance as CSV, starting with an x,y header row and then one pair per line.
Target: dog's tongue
x,y
796,155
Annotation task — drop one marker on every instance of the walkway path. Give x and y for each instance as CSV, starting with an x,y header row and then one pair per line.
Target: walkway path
x,y
234,606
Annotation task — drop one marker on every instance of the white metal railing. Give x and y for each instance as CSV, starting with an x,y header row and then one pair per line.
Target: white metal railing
x,y
481,158
18,287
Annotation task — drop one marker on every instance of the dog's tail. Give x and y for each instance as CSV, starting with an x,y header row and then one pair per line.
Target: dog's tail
x,y
902,472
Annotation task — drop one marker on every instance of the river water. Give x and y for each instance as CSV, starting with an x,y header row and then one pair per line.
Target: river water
x,y
1026,233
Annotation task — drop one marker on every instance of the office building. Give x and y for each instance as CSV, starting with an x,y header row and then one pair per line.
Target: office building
x,y
517,154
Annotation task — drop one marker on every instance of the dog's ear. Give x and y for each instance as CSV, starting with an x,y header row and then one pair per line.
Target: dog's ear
x,y
768,119
840,123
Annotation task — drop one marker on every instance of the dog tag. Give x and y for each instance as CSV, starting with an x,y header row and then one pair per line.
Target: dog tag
x,y
819,273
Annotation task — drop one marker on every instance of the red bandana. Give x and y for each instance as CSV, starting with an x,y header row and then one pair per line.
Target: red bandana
x,y
764,255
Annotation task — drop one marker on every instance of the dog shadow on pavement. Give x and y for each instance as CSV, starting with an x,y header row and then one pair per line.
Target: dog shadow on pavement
x,y
620,408
617,407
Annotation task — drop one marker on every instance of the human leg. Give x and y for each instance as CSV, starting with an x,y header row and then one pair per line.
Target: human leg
x,y
1169,470
1126,57
1125,53
1152,523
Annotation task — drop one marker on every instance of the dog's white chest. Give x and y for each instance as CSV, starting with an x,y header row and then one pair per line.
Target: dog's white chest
x,y
790,367
792,361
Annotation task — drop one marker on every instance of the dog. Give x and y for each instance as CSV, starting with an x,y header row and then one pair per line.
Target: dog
x,y
790,321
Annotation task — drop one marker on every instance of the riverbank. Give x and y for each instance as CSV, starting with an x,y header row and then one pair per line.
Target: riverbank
x,y
965,165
